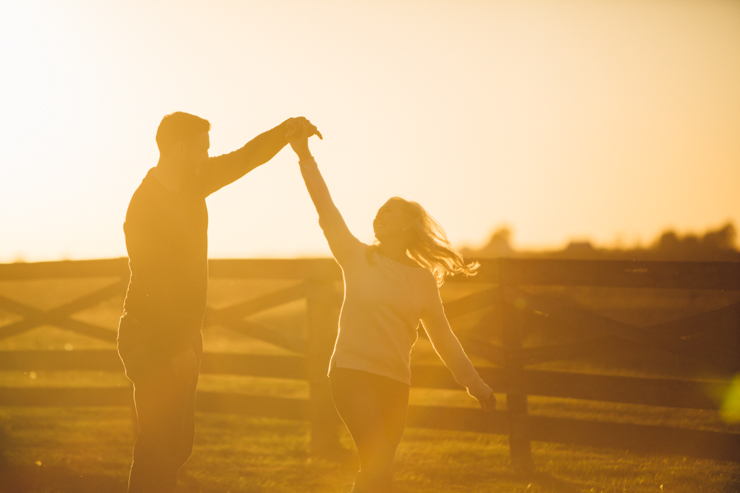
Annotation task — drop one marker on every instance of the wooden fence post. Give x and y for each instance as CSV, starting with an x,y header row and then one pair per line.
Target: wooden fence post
x,y
520,446
322,316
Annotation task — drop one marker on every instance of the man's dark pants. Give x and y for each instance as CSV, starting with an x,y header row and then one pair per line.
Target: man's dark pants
x,y
164,395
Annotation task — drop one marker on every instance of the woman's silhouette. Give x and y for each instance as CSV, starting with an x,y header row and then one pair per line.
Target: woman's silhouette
x,y
389,287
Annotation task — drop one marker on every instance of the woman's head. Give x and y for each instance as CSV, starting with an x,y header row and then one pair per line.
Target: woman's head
x,y
395,220
406,222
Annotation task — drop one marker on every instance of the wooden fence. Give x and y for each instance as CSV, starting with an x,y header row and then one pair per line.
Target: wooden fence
x,y
512,308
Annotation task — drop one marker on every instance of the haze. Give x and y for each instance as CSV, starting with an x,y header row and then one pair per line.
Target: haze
x,y
603,120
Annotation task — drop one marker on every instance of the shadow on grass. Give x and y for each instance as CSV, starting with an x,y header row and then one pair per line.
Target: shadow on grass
x,y
545,482
41,479
58,479
554,484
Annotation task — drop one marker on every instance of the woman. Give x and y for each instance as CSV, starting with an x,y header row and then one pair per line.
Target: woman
x,y
389,287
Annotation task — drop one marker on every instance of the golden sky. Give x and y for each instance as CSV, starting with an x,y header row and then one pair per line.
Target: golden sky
x,y
607,120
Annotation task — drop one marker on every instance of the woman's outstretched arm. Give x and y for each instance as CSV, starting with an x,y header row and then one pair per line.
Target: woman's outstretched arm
x,y
448,348
340,239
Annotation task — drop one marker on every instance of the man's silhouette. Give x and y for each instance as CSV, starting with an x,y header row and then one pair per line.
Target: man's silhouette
x,y
159,335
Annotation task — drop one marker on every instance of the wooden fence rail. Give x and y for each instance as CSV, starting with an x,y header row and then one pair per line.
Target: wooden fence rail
x,y
512,310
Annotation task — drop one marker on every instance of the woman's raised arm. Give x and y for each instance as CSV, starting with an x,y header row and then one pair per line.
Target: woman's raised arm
x,y
340,239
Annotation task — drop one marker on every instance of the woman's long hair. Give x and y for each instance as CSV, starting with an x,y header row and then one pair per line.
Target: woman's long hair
x,y
429,245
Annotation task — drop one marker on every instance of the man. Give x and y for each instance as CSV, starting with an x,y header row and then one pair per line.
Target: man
x,y
159,335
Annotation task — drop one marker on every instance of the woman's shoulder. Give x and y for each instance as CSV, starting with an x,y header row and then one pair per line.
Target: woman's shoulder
x,y
427,277
355,251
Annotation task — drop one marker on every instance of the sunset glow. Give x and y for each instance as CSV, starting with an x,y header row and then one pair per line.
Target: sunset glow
x,y
601,120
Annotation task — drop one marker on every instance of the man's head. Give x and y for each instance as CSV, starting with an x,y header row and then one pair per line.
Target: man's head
x,y
182,139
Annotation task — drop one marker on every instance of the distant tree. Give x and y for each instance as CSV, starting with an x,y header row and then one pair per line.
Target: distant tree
x,y
668,241
714,244
721,239
499,245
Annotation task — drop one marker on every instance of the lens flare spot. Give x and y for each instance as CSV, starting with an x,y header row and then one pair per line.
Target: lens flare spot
x,y
730,409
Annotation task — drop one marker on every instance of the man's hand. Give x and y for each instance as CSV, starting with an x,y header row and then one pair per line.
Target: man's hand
x,y
296,127
298,130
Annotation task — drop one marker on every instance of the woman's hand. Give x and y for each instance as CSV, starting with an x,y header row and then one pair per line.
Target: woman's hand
x,y
484,394
298,130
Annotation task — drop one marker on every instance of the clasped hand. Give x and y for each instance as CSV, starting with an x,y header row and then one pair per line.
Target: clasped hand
x,y
297,132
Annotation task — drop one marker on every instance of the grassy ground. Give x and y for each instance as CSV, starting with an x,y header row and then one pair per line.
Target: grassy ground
x,y
88,450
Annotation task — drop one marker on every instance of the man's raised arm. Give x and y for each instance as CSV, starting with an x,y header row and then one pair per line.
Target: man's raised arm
x,y
221,170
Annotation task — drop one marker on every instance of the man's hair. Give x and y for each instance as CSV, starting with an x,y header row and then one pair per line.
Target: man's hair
x,y
179,127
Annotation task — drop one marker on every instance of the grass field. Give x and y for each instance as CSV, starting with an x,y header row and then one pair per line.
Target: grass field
x,y
88,449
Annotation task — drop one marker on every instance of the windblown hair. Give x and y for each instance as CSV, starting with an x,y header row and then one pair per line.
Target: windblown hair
x,y
179,127
429,245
